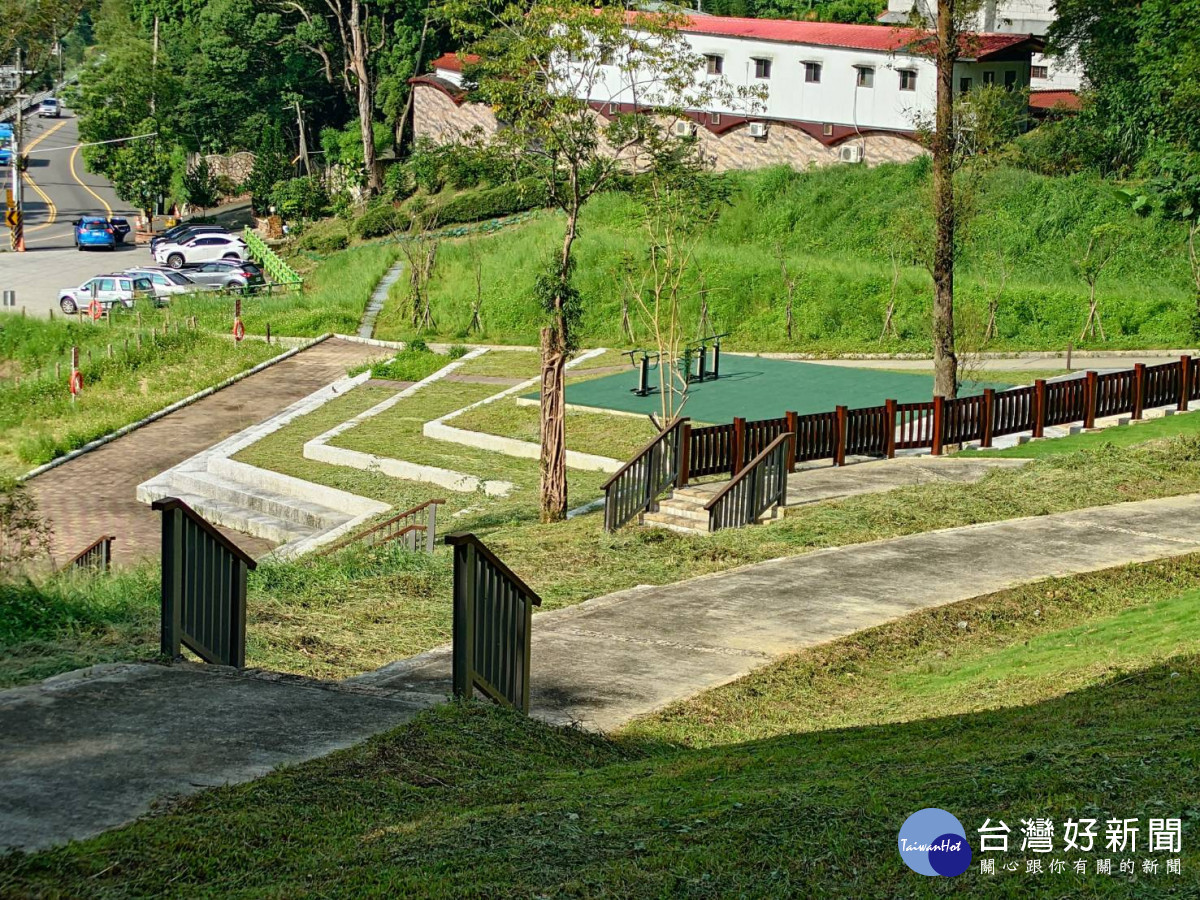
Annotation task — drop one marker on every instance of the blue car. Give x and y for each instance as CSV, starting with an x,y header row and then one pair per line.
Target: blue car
x,y
95,231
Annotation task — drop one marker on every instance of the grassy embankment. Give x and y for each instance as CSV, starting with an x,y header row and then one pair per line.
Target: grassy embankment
x,y
835,225
1064,699
361,609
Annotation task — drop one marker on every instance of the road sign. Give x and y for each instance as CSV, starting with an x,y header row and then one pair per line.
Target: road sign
x,y
12,218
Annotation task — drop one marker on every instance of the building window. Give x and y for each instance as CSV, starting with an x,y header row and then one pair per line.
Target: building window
x,y
762,67
714,118
828,129
908,79
964,85
989,77
1010,80
714,63
812,72
1040,71
607,55
866,76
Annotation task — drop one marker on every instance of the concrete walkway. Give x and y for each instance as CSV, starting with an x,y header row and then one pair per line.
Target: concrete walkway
x,y
612,658
96,493
91,750
366,326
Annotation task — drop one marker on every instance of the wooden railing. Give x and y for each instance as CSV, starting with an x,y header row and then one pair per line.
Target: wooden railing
x,y
755,489
413,527
203,587
96,557
637,484
493,613
681,452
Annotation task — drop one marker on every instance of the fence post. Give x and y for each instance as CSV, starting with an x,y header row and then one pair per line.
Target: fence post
x,y
1089,400
1139,389
1039,404
464,620
985,427
430,527
685,451
793,425
939,414
1185,388
739,446
172,582
839,445
890,415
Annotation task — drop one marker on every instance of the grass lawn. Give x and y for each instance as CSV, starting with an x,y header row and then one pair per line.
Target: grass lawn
x,y
39,421
1070,698
504,363
1124,436
617,437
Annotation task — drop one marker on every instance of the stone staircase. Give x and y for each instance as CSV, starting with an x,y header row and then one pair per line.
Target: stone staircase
x,y
683,509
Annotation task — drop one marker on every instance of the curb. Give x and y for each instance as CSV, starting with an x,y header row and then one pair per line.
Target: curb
x,y
166,410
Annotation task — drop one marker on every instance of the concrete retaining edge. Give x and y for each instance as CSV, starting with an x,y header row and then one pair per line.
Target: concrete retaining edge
x,y
167,410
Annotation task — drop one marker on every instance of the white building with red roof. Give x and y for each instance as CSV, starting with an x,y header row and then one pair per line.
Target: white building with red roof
x,y
827,86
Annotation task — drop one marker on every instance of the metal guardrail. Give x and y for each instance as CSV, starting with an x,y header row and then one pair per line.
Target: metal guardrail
x,y
655,468
755,489
203,587
407,527
493,620
276,269
96,557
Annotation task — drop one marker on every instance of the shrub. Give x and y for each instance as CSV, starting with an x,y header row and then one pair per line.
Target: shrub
x,y
398,182
380,220
325,237
458,351
413,363
300,198
492,203
425,166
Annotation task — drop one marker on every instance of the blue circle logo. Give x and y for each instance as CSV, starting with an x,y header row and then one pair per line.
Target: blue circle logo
x,y
933,842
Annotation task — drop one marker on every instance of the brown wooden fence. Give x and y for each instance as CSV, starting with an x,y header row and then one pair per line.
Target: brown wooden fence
x,y
682,452
96,556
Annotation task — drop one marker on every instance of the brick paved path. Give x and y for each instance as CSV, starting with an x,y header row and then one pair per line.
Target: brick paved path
x,y
95,494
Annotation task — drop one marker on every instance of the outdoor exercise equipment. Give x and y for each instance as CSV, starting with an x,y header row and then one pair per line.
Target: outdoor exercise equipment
x,y
700,348
647,356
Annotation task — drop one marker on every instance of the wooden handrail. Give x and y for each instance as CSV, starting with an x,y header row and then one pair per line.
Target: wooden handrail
x,y
466,537
362,535
169,503
746,470
642,452
90,547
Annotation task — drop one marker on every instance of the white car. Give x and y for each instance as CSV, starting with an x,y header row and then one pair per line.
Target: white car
x,y
109,290
166,282
49,108
201,248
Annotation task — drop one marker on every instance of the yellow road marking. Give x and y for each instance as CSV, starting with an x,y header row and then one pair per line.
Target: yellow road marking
x,y
51,209
75,175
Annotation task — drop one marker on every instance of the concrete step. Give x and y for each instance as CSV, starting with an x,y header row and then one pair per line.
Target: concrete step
x,y
674,523
256,500
670,506
232,515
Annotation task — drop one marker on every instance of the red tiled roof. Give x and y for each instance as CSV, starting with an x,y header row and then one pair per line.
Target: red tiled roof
x,y
1051,99
884,38
452,63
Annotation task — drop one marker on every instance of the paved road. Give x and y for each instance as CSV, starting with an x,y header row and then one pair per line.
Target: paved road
x,y
96,493
59,189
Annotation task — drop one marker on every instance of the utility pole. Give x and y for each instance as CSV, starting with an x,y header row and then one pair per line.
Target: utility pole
x,y
303,140
14,214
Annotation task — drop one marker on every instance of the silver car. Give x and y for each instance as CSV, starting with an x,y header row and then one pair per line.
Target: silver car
x,y
118,289
227,273
166,282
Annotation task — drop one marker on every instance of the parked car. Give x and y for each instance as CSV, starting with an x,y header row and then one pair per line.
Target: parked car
x,y
49,109
182,233
166,282
121,228
121,289
200,249
227,274
94,231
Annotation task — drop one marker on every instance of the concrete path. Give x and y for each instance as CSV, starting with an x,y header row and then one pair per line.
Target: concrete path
x,y
366,326
94,749
607,660
96,493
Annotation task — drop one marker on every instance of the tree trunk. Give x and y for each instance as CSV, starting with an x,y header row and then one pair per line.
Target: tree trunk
x,y
358,65
406,115
553,426
945,363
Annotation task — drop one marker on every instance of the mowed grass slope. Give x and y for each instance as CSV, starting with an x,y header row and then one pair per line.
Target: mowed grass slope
x,y
1068,698
836,227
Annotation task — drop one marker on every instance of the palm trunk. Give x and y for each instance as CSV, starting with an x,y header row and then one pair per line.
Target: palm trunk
x,y
945,363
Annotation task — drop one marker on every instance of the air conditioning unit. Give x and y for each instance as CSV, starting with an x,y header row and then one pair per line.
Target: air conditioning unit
x,y
758,129
685,128
850,153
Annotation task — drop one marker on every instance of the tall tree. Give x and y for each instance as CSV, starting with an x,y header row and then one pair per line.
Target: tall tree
x,y
537,65
33,28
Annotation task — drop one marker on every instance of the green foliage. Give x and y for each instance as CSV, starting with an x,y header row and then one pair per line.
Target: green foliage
x,y
862,12
490,203
141,170
325,237
414,363
24,535
271,166
380,219
200,186
300,198
343,147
